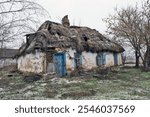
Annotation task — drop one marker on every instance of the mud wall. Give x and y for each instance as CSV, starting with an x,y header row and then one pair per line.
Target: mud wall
x,y
33,62
109,59
89,60
70,59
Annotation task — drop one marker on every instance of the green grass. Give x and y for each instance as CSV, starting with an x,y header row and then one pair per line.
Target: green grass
x,y
124,83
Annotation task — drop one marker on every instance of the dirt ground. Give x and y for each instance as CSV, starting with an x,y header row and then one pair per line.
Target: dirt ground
x,y
123,83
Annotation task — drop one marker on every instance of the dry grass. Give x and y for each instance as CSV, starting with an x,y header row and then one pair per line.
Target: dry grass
x,y
124,83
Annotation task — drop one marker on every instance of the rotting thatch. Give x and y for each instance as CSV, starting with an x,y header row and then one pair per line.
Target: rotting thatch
x,y
55,35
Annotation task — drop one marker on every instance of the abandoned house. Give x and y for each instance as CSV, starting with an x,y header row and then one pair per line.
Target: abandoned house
x,y
62,48
7,57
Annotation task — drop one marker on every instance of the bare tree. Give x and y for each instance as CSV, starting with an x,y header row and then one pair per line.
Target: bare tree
x,y
132,25
125,26
145,31
18,17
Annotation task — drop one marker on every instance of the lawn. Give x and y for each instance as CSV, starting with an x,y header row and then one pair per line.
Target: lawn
x,y
122,83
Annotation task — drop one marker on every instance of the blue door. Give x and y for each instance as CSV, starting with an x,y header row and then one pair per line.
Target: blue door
x,y
60,63
115,59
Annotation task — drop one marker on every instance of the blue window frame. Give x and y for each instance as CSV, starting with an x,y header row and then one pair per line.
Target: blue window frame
x,y
101,59
115,59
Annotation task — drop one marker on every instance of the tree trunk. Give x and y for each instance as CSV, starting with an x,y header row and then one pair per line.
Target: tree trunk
x,y
147,57
137,59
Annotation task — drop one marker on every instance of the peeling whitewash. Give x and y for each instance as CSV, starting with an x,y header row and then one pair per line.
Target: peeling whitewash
x,y
7,62
89,60
36,62
32,62
109,59
70,59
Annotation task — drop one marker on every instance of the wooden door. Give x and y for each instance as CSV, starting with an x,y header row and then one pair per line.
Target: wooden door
x,y
60,63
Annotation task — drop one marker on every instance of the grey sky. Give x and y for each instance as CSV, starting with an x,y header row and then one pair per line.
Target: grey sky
x,y
84,12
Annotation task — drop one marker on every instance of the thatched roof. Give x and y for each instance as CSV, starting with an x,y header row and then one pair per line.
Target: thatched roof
x,y
55,35
8,53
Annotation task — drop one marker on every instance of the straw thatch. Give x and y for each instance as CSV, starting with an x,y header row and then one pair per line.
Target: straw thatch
x,y
55,35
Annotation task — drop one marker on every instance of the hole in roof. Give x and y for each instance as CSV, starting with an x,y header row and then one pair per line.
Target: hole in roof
x,y
85,37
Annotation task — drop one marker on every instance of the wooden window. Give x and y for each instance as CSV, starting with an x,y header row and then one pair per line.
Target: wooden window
x,y
101,59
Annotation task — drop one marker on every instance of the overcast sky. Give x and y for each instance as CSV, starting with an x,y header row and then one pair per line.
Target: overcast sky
x,y
84,12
